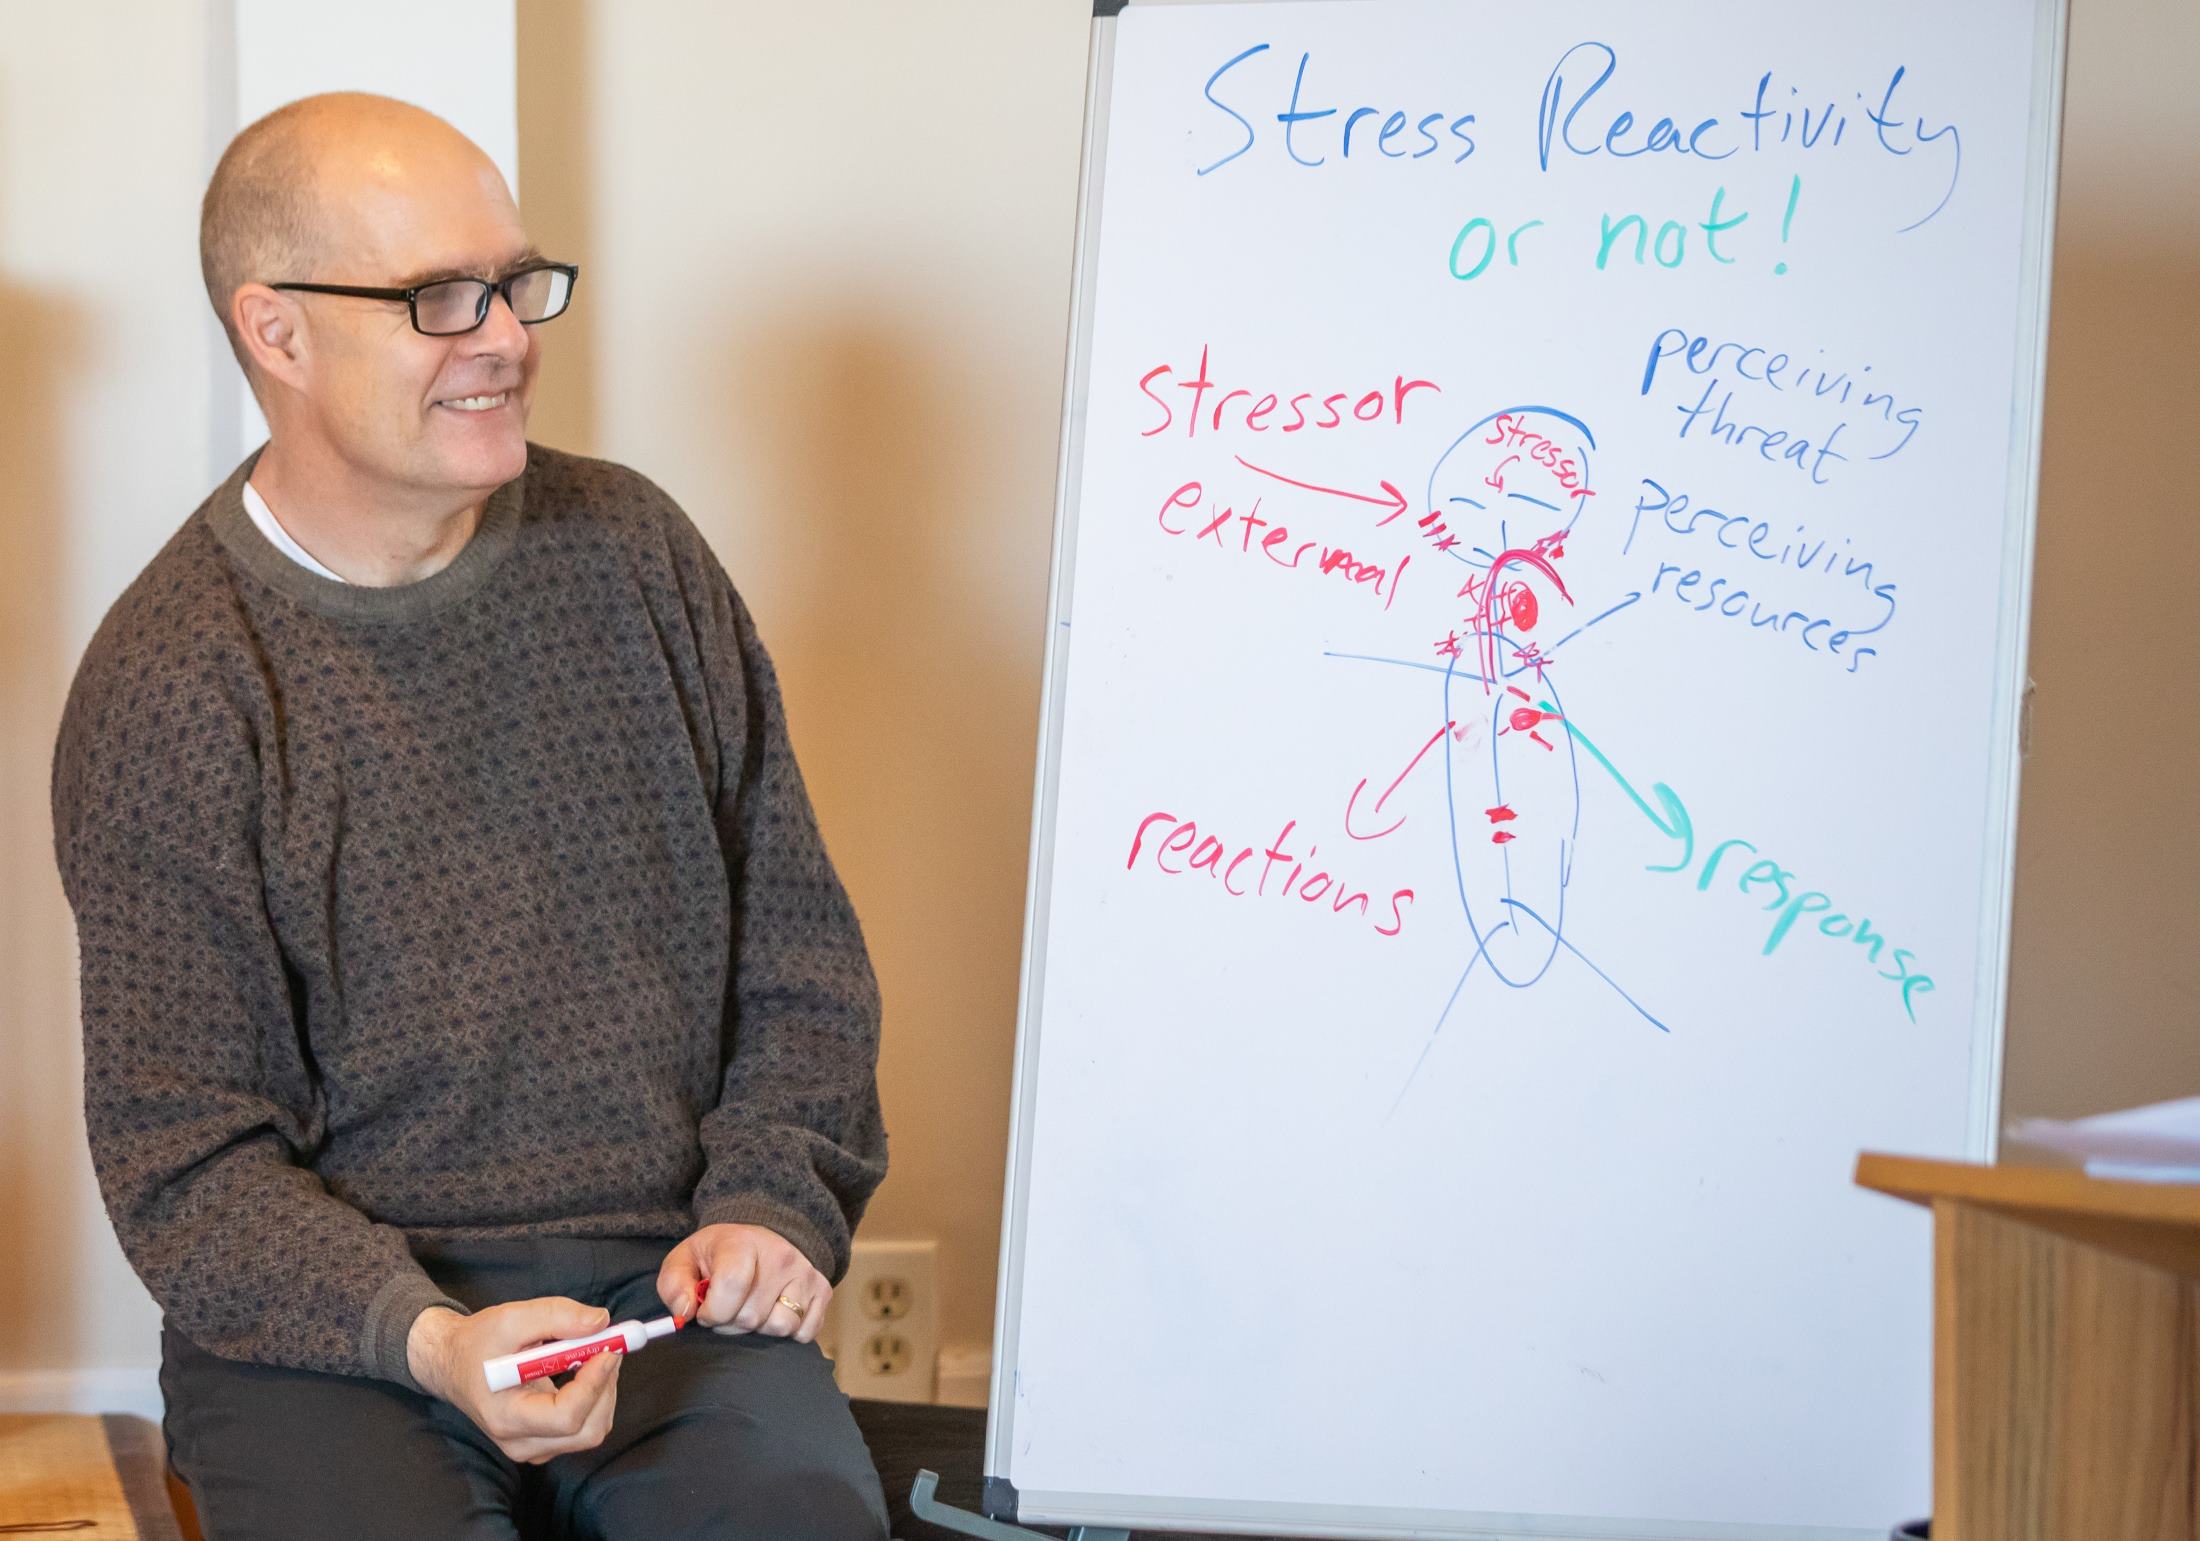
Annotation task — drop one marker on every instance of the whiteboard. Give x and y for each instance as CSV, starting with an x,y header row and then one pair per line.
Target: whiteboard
x,y
1529,761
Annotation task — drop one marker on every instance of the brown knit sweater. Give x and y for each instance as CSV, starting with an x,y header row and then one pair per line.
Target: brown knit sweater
x,y
490,905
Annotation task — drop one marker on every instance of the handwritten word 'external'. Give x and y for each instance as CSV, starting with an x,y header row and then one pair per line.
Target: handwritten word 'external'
x,y
1276,545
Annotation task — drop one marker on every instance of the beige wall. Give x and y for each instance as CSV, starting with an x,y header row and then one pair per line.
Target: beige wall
x,y
827,254
826,257
2104,997
104,388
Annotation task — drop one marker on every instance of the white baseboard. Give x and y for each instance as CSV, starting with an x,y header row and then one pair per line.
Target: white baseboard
x,y
113,1389
965,1377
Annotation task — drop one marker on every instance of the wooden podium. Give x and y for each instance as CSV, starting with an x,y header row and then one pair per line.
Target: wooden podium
x,y
2066,1351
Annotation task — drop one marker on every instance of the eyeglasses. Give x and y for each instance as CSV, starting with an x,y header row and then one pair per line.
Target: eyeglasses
x,y
452,306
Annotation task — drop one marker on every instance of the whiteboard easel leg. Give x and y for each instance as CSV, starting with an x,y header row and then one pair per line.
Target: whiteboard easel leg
x,y
925,1507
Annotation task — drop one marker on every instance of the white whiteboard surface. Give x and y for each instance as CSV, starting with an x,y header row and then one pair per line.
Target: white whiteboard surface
x,y
1515,1198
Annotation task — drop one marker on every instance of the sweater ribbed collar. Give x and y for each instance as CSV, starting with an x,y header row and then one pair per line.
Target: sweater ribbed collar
x,y
492,540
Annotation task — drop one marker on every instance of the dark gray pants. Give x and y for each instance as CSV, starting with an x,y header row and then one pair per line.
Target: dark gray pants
x,y
720,1437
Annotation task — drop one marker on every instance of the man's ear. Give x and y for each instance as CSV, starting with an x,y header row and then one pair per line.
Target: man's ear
x,y
272,326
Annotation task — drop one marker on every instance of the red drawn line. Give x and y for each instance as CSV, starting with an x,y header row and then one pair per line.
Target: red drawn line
x,y
1500,814
1529,557
1416,760
1351,801
1394,500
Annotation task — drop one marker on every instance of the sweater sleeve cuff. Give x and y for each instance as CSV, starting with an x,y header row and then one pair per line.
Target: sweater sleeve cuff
x,y
754,1209
390,1317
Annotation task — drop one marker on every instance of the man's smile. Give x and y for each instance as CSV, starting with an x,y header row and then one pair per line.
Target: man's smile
x,y
477,403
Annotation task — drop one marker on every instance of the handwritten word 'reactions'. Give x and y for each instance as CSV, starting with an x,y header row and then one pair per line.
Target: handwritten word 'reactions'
x,y
1255,414
1171,836
1333,559
1790,901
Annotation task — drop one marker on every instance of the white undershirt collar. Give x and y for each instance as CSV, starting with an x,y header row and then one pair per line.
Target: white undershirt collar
x,y
264,518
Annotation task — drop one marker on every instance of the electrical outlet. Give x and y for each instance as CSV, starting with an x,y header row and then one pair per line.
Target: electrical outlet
x,y
882,1328
886,1353
886,1298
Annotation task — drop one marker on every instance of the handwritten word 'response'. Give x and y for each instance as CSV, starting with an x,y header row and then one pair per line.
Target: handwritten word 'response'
x,y
1215,858
1789,898
1276,544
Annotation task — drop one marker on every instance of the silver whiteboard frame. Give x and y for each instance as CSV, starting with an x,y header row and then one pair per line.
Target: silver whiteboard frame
x,y
2013,638
1991,987
1068,481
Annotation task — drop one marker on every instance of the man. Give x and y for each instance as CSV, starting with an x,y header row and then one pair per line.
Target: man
x,y
462,967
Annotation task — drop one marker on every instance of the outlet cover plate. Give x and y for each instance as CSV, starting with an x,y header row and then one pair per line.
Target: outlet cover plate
x,y
882,1328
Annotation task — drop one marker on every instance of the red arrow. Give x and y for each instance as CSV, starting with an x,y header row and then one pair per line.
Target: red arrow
x,y
1394,500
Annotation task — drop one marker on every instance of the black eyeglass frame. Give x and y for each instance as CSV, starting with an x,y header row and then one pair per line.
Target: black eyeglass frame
x,y
411,296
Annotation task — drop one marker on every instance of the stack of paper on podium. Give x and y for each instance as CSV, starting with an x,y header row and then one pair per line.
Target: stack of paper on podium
x,y
2158,1143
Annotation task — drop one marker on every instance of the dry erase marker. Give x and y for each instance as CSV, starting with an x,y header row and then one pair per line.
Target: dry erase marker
x,y
528,1364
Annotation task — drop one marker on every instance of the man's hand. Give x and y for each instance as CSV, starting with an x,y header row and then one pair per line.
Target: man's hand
x,y
533,1422
759,1282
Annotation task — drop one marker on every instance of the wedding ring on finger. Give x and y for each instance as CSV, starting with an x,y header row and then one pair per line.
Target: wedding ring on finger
x,y
798,1307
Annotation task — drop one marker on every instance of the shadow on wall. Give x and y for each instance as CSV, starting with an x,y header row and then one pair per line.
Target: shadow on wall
x,y
41,1141
557,204
2105,956
906,617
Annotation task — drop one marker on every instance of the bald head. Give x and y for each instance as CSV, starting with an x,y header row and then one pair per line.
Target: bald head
x,y
293,197
355,192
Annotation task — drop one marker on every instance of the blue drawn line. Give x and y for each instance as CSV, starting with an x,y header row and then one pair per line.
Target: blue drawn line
x,y
1471,503
1441,1018
1451,803
1538,502
1569,846
1623,604
1584,957
1585,625
1406,663
1924,138
1564,417
1481,952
